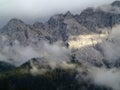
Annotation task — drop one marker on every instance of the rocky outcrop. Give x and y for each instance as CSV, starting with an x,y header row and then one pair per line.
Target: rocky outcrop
x,y
23,33
94,19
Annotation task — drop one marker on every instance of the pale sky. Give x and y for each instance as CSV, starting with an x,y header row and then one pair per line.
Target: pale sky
x,y
36,10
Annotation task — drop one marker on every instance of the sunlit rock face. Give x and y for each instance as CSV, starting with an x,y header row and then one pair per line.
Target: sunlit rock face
x,y
97,48
85,40
85,49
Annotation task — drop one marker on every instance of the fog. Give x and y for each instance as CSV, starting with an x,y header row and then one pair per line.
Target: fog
x,y
106,77
110,48
111,52
19,54
109,8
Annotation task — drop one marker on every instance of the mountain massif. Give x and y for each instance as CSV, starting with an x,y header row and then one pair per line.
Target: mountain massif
x,y
76,44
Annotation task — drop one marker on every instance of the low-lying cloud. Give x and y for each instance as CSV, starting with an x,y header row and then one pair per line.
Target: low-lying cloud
x,y
109,9
110,47
107,77
18,54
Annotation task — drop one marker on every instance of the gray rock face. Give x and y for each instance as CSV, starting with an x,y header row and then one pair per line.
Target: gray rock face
x,y
93,19
116,4
61,26
89,56
18,30
38,25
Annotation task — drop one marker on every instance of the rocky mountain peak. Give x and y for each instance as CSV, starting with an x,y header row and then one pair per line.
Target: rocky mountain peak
x,y
68,14
97,18
15,21
116,4
14,24
88,11
55,20
32,61
35,63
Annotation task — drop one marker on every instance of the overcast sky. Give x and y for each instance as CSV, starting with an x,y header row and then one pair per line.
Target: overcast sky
x,y
36,10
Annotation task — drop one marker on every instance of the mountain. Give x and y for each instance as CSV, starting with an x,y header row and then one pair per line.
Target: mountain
x,y
89,40
62,26
4,66
36,63
82,32
116,4
53,79
18,30
93,19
